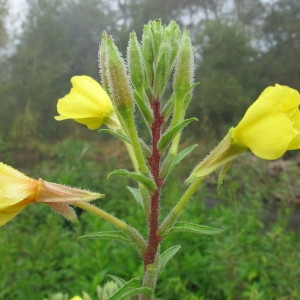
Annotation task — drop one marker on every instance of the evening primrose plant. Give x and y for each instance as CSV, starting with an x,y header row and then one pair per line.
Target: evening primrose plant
x,y
155,80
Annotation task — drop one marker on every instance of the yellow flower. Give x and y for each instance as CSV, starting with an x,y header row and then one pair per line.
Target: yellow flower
x,y
88,104
76,298
17,191
271,125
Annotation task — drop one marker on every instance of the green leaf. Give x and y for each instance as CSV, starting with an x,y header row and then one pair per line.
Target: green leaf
x,y
167,138
131,288
137,195
183,154
147,182
118,280
144,108
194,228
168,108
166,256
117,134
145,149
107,235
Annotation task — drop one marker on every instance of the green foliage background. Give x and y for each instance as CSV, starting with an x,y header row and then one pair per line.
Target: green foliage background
x,y
238,52
255,258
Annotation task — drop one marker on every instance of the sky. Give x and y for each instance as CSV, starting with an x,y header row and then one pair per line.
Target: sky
x,y
16,13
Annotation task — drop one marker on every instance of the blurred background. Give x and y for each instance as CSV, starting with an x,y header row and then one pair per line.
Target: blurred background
x,y
240,47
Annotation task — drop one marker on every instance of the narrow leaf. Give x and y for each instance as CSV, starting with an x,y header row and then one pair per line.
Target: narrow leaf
x,y
137,195
194,228
147,182
131,288
183,154
117,134
167,138
118,280
143,107
166,256
107,235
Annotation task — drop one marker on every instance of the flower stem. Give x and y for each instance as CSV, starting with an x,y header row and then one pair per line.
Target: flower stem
x,y
136,146
131,232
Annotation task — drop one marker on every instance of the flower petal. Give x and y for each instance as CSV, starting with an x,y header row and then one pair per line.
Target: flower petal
x,y
7,213
265,138
87,103
15,186
271,125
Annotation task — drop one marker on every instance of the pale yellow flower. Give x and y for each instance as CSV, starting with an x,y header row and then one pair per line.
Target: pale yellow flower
x,y
18,190
88,104
76,298
269,128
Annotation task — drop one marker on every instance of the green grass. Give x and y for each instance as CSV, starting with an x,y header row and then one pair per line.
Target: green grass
x,y
254,258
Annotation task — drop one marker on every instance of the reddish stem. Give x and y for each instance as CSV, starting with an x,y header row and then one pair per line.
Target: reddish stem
x,y
154,163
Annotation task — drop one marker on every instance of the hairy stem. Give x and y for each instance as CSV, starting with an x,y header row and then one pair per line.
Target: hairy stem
x,y
154,163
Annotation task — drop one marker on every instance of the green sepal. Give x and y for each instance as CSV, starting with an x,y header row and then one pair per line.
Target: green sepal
x,y
172,35
168,137
119,85
117,134
103,63
166,256
188,94
131,288
107,235
148,53
184,68
160,77
147,182
157,35
194,228
222,173
137,195
135,61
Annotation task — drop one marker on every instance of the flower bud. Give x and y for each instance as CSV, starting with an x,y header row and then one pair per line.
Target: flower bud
x,y
118,80
184,68
103,62
147,52
135,62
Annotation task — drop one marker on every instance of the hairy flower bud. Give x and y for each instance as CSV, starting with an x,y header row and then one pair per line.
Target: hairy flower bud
x,y
118,80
